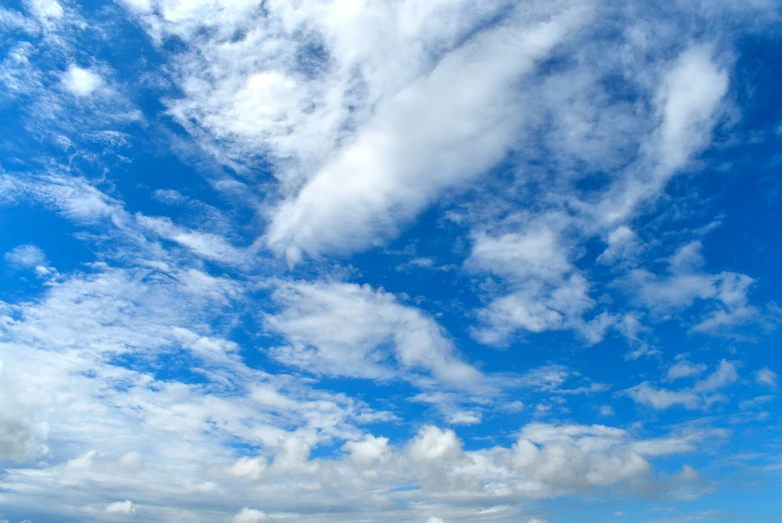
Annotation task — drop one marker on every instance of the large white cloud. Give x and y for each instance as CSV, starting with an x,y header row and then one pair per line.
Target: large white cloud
x,y
428,137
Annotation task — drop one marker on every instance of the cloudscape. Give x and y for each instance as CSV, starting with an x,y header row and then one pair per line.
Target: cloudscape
x,y
415,261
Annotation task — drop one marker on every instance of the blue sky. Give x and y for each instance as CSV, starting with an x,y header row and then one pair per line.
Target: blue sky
x,y
363,261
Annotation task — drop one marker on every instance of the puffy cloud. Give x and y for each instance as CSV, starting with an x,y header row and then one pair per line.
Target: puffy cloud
x,y
250,468
433,444
370,451
293,456
573,457
124,508
249,515
81,82
547,291
25,256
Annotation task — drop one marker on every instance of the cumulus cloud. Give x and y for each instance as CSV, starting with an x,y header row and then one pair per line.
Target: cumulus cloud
x,y
25,256
250,468
124,508
81,82
595,456
249,515
548,292
369,452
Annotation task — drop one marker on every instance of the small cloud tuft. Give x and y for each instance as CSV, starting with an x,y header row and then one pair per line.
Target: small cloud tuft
x,y
81,82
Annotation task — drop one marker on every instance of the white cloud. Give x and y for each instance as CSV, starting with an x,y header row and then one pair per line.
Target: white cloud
x,y
124,508
110,425
547,291
82,82
684,369
353,103
595,456
725,293
679,443
208,245
369,452
660,399
250,468
45,10
536,259
689,98
537,253
345,330
25,256
691,398
73,197
622,244
724,375
248,515
433,444
766,377
410,150
688,102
